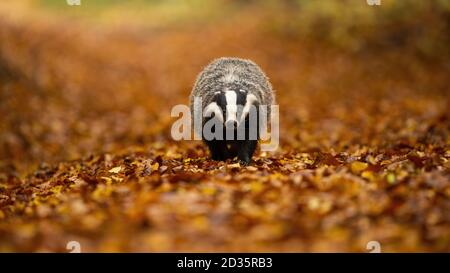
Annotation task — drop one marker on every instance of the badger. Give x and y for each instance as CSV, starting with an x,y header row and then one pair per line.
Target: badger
x,y
228,88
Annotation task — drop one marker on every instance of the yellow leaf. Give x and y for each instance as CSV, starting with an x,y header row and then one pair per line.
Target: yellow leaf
x,y
391,178
358,166
234,166
155,167
57,189
115,170
256,186
209,191
313,203
368,175
186,160
117,179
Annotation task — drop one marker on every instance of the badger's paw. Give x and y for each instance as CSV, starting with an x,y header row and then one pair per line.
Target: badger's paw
x,y
244,160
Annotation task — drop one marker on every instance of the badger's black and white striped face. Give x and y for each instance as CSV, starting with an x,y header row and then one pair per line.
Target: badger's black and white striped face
x,y
231,107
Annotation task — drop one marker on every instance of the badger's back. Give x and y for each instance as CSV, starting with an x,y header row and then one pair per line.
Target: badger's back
x,y
231,73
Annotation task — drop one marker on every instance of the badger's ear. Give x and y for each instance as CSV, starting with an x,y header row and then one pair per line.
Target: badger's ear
x,y
216,95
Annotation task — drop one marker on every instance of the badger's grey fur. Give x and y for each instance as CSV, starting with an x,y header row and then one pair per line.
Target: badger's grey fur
x,y
223,85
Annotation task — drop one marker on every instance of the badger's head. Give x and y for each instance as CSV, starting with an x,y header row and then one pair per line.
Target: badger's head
x,y
231,107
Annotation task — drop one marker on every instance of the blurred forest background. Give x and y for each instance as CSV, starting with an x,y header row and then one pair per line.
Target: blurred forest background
x,y
85,147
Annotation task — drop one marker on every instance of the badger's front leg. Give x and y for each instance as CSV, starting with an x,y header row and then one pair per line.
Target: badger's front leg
x,y
218,149
246,151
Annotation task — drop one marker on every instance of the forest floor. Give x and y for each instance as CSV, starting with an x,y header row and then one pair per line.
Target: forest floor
x,y
86,153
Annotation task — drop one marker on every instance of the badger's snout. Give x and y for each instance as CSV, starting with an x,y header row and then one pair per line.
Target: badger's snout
x,y
231,110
